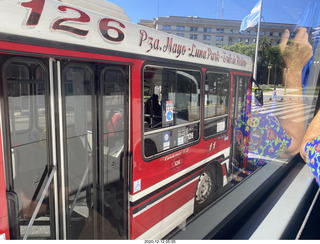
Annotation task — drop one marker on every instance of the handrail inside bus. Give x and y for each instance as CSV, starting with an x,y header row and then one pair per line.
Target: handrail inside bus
x,y
171,127
80,187
53,170
216,117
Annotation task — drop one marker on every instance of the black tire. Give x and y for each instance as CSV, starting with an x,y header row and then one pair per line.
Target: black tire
x,y
207,187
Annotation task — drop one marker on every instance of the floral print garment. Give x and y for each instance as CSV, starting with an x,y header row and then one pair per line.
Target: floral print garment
x,y
260,134
312,150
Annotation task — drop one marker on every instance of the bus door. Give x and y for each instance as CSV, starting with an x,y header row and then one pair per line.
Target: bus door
x,y
239,90
66,150
29,163
94,149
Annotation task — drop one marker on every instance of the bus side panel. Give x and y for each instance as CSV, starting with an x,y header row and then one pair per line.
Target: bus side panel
x,y
4,225
166,213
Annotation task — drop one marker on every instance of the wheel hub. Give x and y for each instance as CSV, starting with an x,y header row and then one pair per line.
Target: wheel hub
x,y
204,187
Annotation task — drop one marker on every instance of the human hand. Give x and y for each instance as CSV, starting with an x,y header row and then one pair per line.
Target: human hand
x,y
298,52
296,55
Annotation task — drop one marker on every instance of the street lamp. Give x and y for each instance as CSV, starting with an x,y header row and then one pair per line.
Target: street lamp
x,y
269,68
286,70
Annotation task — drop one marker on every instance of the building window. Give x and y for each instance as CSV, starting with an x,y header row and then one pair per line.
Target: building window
x,y
219,38
181,28
271,33
247,40
179,34
248,32
263,33
239,39
206,29
206,37
230,39
193,36
280,34
231,31
219,30
166,27
193,28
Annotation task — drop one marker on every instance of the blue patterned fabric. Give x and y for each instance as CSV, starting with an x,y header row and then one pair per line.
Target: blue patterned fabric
x,y
312,150
261,135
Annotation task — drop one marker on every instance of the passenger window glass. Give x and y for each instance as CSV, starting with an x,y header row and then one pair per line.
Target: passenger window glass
x,y
216,103
113,100
78,81
18,77
40,105
25,83
171,108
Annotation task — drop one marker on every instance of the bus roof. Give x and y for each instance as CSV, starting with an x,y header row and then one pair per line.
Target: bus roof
x,y
100,6
64,22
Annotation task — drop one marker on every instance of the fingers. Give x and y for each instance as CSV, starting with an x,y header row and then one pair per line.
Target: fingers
x,y
302,35
302,38
284,40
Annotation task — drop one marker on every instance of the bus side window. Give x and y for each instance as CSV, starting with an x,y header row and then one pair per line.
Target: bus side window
x,y
171,113
216,103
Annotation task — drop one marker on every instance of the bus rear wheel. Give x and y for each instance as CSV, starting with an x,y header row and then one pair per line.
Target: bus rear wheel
x,y
206,188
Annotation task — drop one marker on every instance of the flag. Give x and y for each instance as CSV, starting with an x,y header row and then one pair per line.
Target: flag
x,y
251,19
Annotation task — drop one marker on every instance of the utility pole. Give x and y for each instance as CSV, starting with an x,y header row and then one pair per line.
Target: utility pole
x,y
269,68
257,45
222,9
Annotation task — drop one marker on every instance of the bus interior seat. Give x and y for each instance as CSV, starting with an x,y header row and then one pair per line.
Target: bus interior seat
x,y
150,147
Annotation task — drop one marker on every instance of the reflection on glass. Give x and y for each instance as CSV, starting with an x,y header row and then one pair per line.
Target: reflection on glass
x,y
273,132
77,81
26,81
113,83
216,103
171,108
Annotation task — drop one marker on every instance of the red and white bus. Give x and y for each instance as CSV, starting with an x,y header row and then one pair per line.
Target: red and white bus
x,y
109,130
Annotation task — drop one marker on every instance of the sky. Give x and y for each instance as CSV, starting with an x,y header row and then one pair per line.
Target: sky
x,y
276,11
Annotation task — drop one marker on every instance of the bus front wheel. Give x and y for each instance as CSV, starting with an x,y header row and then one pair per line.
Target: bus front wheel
x,y
206,188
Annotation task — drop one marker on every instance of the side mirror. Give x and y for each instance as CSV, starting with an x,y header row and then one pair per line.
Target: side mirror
x,y
258,95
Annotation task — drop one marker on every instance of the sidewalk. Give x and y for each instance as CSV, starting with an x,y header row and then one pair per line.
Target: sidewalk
x,y
290,95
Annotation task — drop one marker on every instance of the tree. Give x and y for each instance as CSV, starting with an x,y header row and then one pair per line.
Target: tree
x,y
274,58
268,55
264,47
242,48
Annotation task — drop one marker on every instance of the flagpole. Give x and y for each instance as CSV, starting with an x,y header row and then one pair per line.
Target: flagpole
x,y
257,46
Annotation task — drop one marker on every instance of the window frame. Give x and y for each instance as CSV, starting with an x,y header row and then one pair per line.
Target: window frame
x,y
219,38
199,121
218,117
207,37
194,36
33,111
166,27
194,28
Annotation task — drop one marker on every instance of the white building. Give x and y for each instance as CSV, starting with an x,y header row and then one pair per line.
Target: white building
x,y
217,32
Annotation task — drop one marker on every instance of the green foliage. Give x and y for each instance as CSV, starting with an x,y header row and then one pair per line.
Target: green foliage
x,y
242,48
267,55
